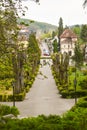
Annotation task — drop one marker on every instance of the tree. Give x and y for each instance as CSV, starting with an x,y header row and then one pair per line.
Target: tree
x,y
60,27
60,30
78,56
55,46
84,33
33,55
53,34
77,30
9,47
60,66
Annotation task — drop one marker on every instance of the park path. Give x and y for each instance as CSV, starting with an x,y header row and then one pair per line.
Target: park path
x,y
43,97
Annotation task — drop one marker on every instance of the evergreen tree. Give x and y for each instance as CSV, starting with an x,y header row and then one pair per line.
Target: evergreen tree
x,y
55,46
60,27
84,33
60,30
78,56
53,34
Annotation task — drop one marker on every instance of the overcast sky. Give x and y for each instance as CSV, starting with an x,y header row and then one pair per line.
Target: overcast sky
x,y
49,11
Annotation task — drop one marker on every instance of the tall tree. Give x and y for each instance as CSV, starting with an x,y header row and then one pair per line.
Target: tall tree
x,y
60,27
60,30
55,46
53,34
9,39
78,56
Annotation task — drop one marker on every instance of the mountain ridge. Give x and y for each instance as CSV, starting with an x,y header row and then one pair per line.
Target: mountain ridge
x,y
36,25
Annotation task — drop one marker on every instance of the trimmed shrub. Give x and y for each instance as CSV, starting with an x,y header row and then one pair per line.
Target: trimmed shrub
x,y
83,83
20,97
1,97
5,110
64,93
73,69
71,93
84,72
82,102
81,93
27,89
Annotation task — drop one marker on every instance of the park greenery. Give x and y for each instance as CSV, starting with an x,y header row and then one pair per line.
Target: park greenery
x,y
65,75
19,66
26,64
74,119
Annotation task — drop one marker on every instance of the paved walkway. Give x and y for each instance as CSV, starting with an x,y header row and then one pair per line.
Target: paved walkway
x,y
43,97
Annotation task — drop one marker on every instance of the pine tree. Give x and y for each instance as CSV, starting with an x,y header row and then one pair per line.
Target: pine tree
x,y
60,30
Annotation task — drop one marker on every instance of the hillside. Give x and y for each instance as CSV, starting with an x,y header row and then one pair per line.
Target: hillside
x,y
37,26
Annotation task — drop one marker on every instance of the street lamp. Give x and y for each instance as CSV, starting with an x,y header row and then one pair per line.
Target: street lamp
x,y
13,86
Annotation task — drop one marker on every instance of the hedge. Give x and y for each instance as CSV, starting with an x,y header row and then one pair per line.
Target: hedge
x,y
71,94
18,97
4,110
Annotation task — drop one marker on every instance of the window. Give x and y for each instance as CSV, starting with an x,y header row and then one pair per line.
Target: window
x,y
70,53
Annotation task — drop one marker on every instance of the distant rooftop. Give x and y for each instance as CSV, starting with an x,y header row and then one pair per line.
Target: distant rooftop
x,y
68,33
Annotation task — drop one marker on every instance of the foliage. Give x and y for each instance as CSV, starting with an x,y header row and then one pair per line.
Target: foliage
x,y
83,83
78,56
53,34
55,46
84,33
60,27
36,26
77,30
60,67
45,35
65,84
82,102
72,120
4,110
60,30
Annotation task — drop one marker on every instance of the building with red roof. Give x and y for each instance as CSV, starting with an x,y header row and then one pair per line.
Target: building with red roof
x,y
68,40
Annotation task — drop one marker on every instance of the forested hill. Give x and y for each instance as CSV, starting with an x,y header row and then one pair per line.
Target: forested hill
x,y
38,26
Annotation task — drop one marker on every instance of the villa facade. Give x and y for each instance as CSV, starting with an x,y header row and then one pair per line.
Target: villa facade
x,y
68,40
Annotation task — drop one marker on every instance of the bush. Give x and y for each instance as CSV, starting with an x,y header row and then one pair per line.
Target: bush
x,y
82,102
14,111
4,110
73,69
27,88
83,83
84,72
81,93
72,120
71,93
20,97
64,93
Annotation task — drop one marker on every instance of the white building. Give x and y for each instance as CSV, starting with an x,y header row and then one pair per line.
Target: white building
x,y
67,42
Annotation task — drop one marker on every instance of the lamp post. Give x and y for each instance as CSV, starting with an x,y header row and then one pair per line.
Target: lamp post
x,y
13,86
